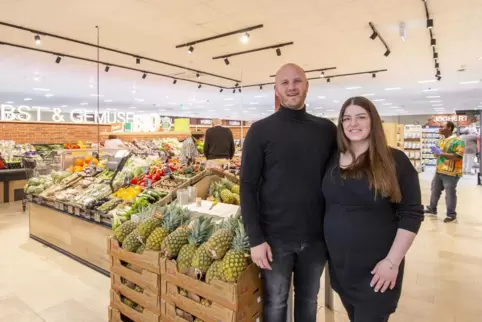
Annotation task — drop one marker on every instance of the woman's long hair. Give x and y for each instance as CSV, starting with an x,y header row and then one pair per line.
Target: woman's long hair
x,y
377,163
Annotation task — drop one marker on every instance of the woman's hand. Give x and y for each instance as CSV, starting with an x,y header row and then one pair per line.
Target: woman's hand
x,y
384,276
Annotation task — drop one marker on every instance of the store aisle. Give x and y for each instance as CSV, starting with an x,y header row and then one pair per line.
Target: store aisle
x,y
443,277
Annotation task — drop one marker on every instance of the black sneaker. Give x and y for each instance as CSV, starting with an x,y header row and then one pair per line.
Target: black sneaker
x,y
450,219
429,212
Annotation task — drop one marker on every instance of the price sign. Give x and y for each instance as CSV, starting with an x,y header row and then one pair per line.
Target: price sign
x,y
145,170
127,179
149,183
70,209
167,171
97,216
77,211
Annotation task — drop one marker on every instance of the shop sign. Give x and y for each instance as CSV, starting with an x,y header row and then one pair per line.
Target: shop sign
x,y
234,123
459,120
205,122
25,113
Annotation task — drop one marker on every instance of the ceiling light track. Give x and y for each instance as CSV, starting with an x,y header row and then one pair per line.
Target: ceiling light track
x,y
46,34
375,35
369,72
60,56
277,46
243,31
433,41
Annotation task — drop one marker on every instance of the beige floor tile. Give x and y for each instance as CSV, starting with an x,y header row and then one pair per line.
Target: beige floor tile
x,y
12,309
71,311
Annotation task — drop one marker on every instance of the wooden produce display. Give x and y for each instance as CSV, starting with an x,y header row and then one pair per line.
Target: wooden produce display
x,y
137,279
228,302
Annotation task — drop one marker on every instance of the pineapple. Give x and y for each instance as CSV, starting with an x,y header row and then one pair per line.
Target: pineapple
x,y
214,271
124,230
237,199
235,261
183,292
227,184
227,196
201,261
173,218
172,244
149,222
132,242
201,231
220,242
128,302
206,303
141,249
235,189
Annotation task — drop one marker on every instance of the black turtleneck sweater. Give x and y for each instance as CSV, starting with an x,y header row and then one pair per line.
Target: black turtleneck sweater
x,y
283,163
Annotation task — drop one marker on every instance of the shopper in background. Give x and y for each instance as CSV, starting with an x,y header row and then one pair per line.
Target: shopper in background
x,y
449,152
373,213
470,151
113,142
189,149
219,142
284,158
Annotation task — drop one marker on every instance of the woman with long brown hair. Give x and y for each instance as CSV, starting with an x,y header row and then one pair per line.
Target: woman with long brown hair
x,y
373,213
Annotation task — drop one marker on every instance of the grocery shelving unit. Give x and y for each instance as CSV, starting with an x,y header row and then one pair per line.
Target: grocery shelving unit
x,y
430,137
412,145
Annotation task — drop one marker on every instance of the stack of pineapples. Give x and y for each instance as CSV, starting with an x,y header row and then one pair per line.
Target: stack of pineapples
x,y
224,191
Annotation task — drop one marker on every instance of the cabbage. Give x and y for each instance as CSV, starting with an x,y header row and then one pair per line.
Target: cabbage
x,y
34,182
31,190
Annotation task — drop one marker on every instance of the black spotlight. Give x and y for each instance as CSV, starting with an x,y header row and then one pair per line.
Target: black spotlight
x,y
435,55
387,53
278,52
429,23
190,50
236,85
198,76
433,42
374,35
239,90
226,61
328,80
322,73
234,91
437,65
174,81
374,75
438,73
107,69
58,59
199,86
439,78
260,87
138,60
37,39
220,90
144,76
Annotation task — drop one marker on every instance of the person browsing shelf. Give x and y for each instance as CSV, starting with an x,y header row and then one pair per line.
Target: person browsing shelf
x,y
373,213
219,142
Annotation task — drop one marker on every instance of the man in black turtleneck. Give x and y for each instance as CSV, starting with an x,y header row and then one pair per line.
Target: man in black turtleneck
x,y
283,162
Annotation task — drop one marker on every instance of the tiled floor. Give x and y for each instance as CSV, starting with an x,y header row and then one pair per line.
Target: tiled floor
x,y
443,280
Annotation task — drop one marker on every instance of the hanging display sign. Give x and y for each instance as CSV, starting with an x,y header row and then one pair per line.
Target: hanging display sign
x,y
234,123
181,125
25,113
459,120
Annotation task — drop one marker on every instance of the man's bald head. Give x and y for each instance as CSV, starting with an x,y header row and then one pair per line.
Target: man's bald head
x,y
291,86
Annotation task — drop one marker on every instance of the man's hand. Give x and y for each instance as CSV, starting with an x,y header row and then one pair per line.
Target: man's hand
x,y
262,256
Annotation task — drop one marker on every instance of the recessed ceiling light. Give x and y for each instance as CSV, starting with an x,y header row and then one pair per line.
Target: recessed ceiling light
x,y
430,90
229,99
437,101
141,111
330,110
253,103
139,99
336,101
9,102
107,101
427,81
200,106
319,108
227,109
212,111
112,109
132,107
251,108
96,95
259,96
321,97
27,99
42,89
91,85
470,82
49,95
379,100
433,96
372,94
84,103
64,106
387,104
434,105
228,105
353,87
393,88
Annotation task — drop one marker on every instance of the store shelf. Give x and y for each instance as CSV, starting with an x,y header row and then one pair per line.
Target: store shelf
x,y
144,134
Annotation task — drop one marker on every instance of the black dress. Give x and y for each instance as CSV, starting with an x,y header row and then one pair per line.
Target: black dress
x,y
360,229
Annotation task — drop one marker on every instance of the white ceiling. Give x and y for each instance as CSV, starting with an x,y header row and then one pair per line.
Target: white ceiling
x,y
326,33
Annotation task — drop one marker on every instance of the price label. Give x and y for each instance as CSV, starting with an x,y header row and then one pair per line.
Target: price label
x,y
97,217
167,171
57,205
149,183
145,170
77,211
40,200
70,209
29,198
127,179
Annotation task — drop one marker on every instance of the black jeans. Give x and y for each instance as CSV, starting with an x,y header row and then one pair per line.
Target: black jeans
x,y
359,313
306,261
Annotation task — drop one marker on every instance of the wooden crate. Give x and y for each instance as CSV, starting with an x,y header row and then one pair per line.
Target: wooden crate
x,y
148,260
114,315
136,316
230,296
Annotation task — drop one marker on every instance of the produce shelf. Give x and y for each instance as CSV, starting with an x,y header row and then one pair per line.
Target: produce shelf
x,y
81,239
